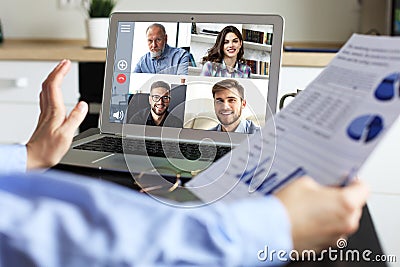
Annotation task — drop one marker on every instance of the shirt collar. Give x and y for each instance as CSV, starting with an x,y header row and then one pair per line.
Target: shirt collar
x,y
241,128
151,120
235,69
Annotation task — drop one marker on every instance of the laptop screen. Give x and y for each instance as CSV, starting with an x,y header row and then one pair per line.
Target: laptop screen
x,y
196,72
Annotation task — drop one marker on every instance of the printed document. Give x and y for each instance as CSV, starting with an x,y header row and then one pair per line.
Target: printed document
x,y
327,132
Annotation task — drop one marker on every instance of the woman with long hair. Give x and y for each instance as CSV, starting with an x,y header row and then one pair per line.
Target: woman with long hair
x,y
225,58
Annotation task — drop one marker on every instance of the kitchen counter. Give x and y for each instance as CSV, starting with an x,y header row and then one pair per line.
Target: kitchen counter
x,y
76,50
306,59
50,50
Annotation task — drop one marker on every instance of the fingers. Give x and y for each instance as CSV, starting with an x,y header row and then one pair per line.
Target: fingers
x,y
74,119
321,214
42,105
54,82
54,132
55,100
51,96
46,97
351,200
62,67
356,193
55,77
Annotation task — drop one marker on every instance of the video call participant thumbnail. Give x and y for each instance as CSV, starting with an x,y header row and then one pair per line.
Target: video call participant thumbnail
x,y
161,57
229,103
156,114
225,58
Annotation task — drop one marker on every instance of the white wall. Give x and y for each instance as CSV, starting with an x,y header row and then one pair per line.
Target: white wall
x,y
306,20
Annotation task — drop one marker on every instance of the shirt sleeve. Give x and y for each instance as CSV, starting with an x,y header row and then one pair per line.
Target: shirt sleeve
x,y
183,64
56,219
207,69
247,72
13,158
138,67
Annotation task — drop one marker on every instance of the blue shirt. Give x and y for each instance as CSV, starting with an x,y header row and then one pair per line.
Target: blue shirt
x,y
245,126
172,61
59,219
13,158
215,69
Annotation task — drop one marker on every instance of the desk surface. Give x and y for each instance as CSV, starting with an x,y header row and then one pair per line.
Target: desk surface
x,y
364,239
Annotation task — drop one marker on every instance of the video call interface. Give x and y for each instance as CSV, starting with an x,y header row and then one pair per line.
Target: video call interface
x,y
203,76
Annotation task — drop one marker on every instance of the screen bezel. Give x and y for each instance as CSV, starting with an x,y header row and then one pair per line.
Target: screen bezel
x,y
137,130
394,5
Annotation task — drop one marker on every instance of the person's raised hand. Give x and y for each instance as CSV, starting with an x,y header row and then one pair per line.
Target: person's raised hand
x,y
54,131
320,215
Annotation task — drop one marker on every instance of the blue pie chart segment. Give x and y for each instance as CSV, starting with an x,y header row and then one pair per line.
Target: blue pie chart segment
x,y
365,128
387,89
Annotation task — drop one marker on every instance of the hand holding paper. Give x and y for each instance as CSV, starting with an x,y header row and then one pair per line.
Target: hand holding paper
x,y
327,132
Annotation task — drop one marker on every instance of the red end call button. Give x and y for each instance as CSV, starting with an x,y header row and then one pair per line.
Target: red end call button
x,y
121,78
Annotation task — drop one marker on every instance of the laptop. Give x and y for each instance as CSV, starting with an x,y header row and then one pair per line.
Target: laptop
x,y
188,146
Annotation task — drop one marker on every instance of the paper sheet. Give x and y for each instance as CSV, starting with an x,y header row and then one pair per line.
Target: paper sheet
x,y
326,132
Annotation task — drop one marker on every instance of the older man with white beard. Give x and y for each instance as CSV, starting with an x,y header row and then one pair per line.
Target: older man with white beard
x,y
161,57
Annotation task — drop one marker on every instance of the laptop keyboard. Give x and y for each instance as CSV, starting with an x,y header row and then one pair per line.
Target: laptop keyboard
x,y
156,148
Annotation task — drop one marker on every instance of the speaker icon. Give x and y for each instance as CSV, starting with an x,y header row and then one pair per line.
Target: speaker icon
x,y
119,115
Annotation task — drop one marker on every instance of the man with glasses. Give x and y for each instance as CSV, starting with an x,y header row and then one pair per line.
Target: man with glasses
x,y
161,57
157,113
228,105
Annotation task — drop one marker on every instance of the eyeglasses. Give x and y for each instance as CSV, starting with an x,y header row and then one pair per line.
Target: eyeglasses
x,y
164,98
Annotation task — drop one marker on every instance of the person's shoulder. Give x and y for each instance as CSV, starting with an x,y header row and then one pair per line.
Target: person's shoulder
x,y
146,110
179,50
140,116
208,65
173,121
243,66
251,123
215,128
251,126
144,57
142,61
244,69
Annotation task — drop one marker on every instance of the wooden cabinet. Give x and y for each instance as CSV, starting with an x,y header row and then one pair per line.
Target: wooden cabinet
x,y
20,85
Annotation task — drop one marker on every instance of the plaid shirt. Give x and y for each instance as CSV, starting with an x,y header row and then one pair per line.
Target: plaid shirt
x,y
220,70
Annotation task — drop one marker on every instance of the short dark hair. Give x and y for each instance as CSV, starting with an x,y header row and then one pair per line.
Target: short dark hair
x,y
158,25
228,84
161,84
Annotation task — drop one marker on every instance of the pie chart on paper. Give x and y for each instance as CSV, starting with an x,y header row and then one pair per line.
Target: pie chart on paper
x,y
365,128
388,88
